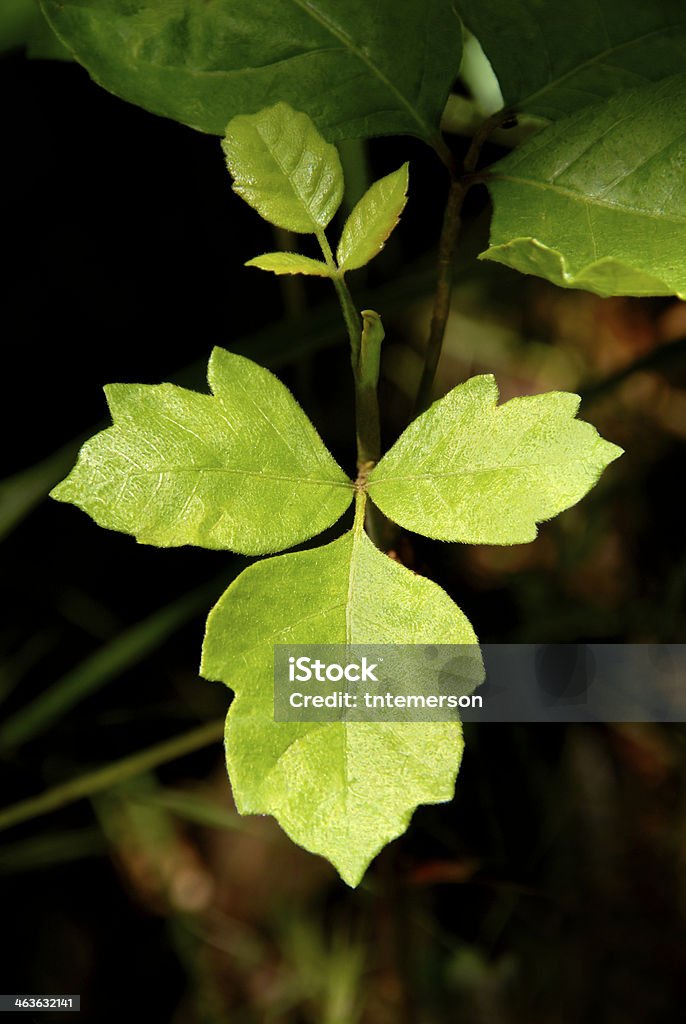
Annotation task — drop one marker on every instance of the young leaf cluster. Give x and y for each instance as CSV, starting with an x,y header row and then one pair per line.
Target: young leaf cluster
x,y
286,171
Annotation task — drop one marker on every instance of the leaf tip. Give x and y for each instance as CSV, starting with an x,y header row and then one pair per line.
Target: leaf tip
x,y
483,383
612,451
60,492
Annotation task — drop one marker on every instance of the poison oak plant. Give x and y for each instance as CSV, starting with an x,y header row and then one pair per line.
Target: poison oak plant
x,y
596,199
245,469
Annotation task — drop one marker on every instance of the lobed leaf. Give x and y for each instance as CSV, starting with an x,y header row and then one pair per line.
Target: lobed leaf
x,y
289,263
554,58
357,69
372,220
468,470
598,200
284,169
242,469
342,790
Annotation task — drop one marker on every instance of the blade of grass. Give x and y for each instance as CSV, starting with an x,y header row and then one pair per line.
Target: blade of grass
x,y
108,662
19,494
50,848
112,774
199,810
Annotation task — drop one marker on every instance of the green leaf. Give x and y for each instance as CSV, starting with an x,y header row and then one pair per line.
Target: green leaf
x,y
17,20
466,470
284,169
23,25
289,263
372,220
553,58
357,69
598,201
342,790
243,469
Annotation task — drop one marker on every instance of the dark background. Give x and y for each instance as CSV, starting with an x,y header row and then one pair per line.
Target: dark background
x,y
552,888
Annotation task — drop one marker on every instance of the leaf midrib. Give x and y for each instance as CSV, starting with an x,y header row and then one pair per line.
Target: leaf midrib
x,y
242,472
477,472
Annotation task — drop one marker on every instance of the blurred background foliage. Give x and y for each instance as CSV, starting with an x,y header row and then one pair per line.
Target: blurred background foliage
x,y
551,890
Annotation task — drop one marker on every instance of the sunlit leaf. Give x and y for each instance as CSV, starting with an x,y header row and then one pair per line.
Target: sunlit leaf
x,y
242,469
283,168
372,220
472,471
343,790
289,263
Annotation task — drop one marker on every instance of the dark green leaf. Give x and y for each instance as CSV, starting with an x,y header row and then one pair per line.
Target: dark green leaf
x,y
598,200
358,69
554,57
23,26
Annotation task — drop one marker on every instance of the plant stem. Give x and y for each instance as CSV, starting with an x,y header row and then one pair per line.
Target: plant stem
x,y
365,353
112,774
350,314
360,510
365,356
459,187
366,374
442,295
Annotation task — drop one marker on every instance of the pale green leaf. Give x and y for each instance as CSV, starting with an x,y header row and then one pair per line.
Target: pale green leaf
x,y
553,58
289,263
598,201
342,790
372,220
471,471
284,169
358,69
243,469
